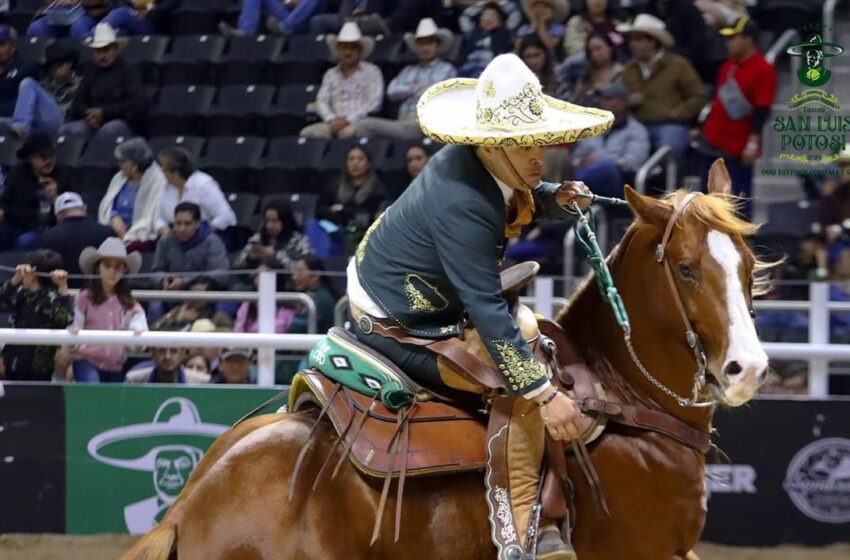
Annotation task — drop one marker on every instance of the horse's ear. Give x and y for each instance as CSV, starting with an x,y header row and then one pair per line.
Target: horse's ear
x,y
718,178
649,209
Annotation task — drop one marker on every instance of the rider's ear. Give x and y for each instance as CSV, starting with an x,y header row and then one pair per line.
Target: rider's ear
x,y
648,209
718,178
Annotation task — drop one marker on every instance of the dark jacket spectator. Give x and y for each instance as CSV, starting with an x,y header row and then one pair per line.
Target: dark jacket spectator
x,y
74,232
308,278
359,195
12,70
166,367
191,249
279,243
111,96
485,42
31,188
35,303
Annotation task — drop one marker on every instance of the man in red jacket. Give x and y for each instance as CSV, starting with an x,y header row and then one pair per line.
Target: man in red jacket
x,y
746,86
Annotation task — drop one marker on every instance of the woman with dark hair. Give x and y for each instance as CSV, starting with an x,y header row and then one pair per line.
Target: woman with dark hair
x,y
309,278
415,159
538,58
600,68
279,243
360,193
597,16
485,42
132,199
36,302
106,304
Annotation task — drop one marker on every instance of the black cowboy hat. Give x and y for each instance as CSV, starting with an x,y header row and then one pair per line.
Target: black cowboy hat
x,y
36,144
58,53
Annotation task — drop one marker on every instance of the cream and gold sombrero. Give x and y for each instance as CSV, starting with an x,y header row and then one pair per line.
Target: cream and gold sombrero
x,y
504,107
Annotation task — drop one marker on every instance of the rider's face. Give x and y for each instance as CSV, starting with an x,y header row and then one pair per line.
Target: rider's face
x,y
515,164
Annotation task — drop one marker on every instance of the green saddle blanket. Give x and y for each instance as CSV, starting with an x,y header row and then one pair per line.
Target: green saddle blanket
x,y
344,362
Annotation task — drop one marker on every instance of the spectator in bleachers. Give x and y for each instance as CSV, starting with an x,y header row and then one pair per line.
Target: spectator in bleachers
x,y
375,17
111,100
415,160
490,38
63,19
166,366
539,59
694,40
597,16
132,200
359,195
142,17
198,367
41,105
36,302
667,94
234,367
509,10
106,304
182,318
545,21
279,243
247,317
74,231
13,70
351,90
746,87
186,183
190,250
309,278
211,354
603,161
600,68
429,43
281,17
26,204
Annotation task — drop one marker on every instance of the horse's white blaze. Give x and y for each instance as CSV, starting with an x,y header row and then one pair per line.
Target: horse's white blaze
x,y
744,346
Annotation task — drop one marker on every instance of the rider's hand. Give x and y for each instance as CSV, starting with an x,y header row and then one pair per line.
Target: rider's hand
x,y
566,195
562,418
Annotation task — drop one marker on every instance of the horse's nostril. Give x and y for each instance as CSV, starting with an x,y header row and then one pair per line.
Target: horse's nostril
x,y
733,368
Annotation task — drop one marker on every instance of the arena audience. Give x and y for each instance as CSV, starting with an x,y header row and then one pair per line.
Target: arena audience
x,y
142,17
539,59
166,366
13,70
415,160
63,18
599,68
279,243
198,367
545,21
274,16
309,278
597,16
357,198
74,231
234,367
487,40
182,317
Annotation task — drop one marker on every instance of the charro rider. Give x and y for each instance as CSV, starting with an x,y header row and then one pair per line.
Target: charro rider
x,y
430,264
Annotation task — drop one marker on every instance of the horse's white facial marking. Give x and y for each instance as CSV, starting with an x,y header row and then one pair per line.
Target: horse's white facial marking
x,y
744,348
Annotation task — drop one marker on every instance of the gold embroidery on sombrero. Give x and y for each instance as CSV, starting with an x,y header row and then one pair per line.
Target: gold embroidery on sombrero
x,y
520,372
526,107
417,300
361,249
489,89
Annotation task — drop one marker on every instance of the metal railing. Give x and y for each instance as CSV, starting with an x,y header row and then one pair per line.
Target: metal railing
x,y
664,153
829,20
778,47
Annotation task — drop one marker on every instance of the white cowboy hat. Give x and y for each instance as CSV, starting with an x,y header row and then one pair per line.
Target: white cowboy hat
x,y
560,8
427,28
504,107
350,33
113,248
649,25
103,36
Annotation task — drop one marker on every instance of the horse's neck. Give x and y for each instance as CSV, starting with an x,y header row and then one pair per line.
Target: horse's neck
x,y
590,324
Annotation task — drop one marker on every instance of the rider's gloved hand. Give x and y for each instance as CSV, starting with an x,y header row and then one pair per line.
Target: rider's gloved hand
x,y
566,195
561,416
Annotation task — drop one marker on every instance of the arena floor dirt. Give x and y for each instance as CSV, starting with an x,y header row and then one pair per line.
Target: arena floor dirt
x,y
111,547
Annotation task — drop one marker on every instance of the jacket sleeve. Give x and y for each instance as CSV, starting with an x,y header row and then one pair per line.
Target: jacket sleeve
x,y
693,92
545,205
637,148
82,100
104,210
160,262
8,296
147,205
134,101
467,238
217,206
374,96
323,99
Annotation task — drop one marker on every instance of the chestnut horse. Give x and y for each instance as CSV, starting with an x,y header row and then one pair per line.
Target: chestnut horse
x,y
236,506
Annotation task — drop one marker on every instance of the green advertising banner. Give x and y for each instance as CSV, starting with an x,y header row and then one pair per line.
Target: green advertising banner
x,y
130,450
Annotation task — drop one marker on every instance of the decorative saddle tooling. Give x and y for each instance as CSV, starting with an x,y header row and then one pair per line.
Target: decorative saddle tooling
x,y
390,427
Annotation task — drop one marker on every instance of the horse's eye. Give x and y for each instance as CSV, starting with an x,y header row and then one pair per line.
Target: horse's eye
x,y
686,272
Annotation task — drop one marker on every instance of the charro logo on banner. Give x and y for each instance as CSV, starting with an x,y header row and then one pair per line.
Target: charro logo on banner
x,y
147,450
818,480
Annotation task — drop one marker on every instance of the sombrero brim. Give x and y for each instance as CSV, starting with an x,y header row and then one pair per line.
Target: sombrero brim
x,y
664,37
445,36
89,257
828,49
368,44
447,114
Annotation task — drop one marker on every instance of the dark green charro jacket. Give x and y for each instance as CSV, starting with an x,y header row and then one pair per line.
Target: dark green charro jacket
x,y
433,259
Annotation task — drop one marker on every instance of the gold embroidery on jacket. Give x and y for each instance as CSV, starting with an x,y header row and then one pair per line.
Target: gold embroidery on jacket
x,y
520,372
361,249
417,300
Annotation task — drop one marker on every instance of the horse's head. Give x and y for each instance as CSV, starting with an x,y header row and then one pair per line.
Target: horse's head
x,y
715,274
